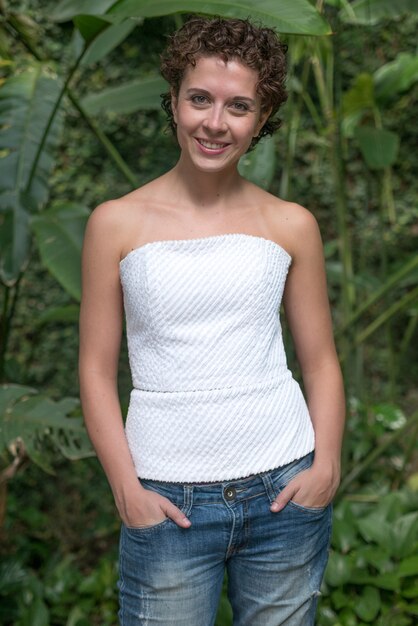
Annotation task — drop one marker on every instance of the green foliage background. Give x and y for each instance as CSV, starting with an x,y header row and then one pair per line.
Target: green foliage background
x,y
347,151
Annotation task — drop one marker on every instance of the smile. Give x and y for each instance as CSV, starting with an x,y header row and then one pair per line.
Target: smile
x,y
210,145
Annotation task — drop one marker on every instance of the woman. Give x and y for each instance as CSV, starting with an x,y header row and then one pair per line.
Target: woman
x,y
222,463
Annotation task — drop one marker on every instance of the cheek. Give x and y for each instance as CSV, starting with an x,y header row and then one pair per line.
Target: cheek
x,y
185,127
187,120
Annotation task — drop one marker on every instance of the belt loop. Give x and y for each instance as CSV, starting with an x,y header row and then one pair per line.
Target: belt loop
x,y
188,499
268,485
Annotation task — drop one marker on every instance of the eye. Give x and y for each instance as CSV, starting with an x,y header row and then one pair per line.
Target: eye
x,y
240,107
199,99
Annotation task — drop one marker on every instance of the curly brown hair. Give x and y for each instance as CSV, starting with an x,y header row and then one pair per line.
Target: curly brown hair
x,y
257,47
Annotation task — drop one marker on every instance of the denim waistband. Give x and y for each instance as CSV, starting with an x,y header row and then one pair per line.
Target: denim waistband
x,y
231,490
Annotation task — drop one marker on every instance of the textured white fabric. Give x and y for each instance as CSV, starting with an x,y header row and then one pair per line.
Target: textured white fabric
x,y
213,398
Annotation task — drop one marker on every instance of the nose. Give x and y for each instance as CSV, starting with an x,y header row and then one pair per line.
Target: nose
x,y
215,120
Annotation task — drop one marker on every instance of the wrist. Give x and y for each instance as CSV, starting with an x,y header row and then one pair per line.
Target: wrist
x,y
327,466
122,491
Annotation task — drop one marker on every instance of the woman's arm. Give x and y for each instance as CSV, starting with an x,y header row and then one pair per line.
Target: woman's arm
x,y
308,315
101,319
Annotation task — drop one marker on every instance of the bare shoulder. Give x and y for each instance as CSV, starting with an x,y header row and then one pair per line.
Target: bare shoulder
x,y
293,226
112,223
114,215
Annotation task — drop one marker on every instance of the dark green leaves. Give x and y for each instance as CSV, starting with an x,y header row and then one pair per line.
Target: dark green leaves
x,y
396,77
90,26
30,419
26,103
373,566
373,11
59,236
295,16
140,94
259,165
67,9
378,146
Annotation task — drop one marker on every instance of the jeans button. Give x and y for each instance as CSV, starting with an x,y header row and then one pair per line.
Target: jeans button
x,y
230,493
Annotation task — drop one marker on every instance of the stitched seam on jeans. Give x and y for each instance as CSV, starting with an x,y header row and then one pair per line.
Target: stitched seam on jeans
x,y
229,552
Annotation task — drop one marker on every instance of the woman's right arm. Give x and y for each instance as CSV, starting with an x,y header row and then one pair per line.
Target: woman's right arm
x,y
101,321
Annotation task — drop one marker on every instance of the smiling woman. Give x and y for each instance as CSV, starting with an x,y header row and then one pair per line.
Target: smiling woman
x,y
222,463
258,49
217,112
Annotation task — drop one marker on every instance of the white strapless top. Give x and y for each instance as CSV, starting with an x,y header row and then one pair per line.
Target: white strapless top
x,y
212,396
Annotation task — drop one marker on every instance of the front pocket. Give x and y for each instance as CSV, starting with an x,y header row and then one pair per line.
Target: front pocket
x,y
285,474
141,529
308,509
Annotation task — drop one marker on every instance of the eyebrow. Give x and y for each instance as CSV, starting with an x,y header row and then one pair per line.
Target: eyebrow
x,y
207,93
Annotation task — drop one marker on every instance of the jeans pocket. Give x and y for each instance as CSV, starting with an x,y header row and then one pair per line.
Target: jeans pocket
x,y
315,510
288,473
283,475
140,529
167,491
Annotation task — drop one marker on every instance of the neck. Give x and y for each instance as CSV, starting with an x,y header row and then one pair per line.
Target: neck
x,y
205,190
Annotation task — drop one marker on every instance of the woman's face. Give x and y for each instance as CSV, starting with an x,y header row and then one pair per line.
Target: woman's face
x,y
217,112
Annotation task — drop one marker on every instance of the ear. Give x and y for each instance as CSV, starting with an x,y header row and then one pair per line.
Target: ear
x,y
264,115
174,100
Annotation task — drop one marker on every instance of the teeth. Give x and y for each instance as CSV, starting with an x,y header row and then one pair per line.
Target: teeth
x,y
211,146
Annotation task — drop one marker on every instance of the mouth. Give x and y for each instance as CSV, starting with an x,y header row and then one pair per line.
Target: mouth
x,y
212,145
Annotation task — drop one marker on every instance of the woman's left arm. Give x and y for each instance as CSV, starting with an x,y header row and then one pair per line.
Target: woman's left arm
x,y
309,318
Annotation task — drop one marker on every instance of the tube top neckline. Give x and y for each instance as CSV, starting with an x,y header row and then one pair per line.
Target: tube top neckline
x,y
204,240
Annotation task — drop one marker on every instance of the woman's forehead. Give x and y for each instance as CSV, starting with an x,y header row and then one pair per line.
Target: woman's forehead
x,y
214,71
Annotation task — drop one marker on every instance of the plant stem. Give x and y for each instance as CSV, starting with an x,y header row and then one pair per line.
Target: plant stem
x,y
106,143
51,119
4,329
407,338
361,467
409,453
411,296
392,281
388,202
9,308
294,109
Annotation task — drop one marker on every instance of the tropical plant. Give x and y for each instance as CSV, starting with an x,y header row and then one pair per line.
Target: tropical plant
x,y
372,572
347,120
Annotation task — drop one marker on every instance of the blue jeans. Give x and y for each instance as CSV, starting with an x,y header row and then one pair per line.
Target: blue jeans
x,y
274,561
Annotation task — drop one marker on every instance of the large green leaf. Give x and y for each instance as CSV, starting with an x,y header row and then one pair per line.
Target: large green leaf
x,y
59,235
378,146
69,313
105,41
67,9
10,394
288,16
409,566
395,536
339,569
26,103
139,94
373,11
259,165
31,419
404,535
368,605
90,26
375,528
397,76
360,97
